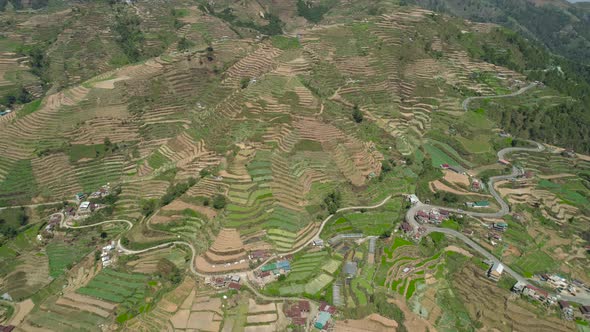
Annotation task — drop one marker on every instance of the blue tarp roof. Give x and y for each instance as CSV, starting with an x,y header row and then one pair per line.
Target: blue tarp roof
x,y
323,318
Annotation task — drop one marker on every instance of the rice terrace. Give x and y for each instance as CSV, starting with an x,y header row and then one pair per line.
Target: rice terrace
x,y
309,165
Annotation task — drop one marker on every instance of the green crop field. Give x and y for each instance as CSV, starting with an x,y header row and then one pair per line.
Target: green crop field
x,y
115,286
318,283
397,242
412,287
535,262
62,256
438,156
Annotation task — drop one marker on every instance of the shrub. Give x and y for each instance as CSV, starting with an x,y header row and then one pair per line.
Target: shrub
x,y
219,202
357,115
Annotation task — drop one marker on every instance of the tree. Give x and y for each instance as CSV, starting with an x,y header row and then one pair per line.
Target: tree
x,y
332,202
244,82
357,115
219,202
103,235
97,255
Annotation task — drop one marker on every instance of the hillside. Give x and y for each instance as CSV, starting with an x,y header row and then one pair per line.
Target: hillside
x,y
561,26
162,157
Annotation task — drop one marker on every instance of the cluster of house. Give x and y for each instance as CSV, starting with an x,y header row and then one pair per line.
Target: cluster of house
x,y
258,255
533,292
434,216
228,281
409,230
53,222
324,316
105,256
561,284
496,228
297,312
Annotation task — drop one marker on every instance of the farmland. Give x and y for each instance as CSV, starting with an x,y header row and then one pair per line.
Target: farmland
x,y
235,128
310,273
116,286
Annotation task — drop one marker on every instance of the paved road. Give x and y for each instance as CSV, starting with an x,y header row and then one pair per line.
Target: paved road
x,y
468,100
504,208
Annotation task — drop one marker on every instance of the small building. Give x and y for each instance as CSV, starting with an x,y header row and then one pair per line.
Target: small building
x,y
284,265
327,308
372,243
566,309
569,153
234,285
500,226
318,242
518,287
350,269
468,232
7,328
235,278
259,254
413,199
477,205
503,161
535,293
80,196
84,206
218,282
475,185
322,320
445,166
495,271
406,227
585,310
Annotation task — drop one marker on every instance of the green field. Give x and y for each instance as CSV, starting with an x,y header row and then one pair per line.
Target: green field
x,y
118,287
62,256
535,262
439,157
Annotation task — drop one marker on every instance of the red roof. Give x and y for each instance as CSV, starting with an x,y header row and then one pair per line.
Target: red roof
x,y
328,308
298,320
235,285
445,166
304,306
538,290
6,328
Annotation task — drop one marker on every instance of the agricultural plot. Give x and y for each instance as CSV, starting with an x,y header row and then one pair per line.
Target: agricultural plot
x,y
535,262
368,223
439,157
62,256
310,273
118,287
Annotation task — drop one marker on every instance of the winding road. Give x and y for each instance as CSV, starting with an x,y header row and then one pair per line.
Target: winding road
x,y
242,274
410,218
504,208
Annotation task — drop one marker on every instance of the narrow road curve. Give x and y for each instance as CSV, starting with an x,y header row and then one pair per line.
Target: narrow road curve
x,y
468,100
